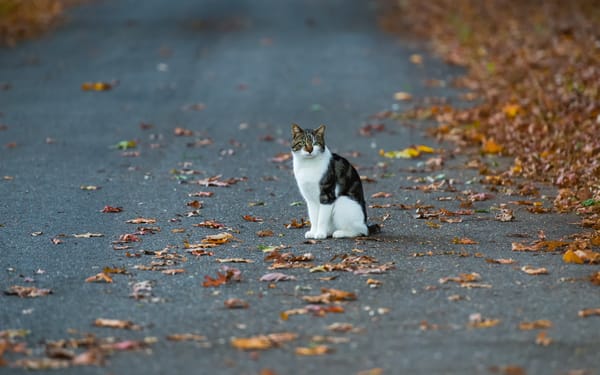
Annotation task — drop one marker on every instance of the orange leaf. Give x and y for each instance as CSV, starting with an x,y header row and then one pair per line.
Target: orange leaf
x,y
490,146
571,257
314,350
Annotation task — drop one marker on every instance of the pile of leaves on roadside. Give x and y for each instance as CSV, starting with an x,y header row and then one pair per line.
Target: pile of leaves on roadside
x,y
23,19
533,74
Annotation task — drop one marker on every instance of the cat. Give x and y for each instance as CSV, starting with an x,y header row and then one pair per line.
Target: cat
x,y
330,186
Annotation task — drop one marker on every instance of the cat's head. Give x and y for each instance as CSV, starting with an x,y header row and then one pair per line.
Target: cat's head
x,y
308,143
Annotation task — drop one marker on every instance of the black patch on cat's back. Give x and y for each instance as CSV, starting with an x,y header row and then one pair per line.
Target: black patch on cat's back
x,y
341,173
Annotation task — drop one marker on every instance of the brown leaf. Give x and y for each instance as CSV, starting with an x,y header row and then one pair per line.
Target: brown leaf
x,y
173,271
234,260
262,342
276,276
201,194
194,204
294,224
27,291
463,241
530,270
477,321
141,220
218,239
265,233
100,277
543,339
253,219
314,350
185,337
588,312
110,209
210,224
116,323
236,303
536,324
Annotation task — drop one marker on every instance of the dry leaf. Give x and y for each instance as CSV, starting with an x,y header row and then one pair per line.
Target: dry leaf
x,y
141,220
477,321
265,233
186,337
217,239
116,323
464,241
536,324
314,350
276,276
236,303
210,224
88,235
588,312
543,339
100,277
530,270
110,209
234,260
262,342
27,291
253,219
173,271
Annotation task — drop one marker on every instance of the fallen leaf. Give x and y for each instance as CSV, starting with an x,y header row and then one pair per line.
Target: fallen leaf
x,y
464,241
253,219
276,276
490,146
201,194
194,204
402,96
141,220
116,323
501,261
88,235
173,271
186,337
543,339
110,209
262,342
183,132
477,321
570,257
100,277
536,324
281,157
530,270
234,260
588,312
265,233
27,291
217,239
210,224
96,86
236,303
381,194
314,350
294,224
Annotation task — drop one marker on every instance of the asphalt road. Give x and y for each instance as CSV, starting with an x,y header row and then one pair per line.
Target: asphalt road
x,y
236,74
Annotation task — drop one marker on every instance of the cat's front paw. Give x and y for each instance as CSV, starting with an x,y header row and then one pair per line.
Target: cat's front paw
x,y
320,235
309,234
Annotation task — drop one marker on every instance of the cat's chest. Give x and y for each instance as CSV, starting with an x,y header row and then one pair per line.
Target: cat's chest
x,y
308,174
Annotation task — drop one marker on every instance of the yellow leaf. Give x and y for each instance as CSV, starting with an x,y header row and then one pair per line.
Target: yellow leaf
x,y
426,149
571,257
490,146
511,110
402,96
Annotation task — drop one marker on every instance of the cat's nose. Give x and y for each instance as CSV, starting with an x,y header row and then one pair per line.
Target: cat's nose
x,y
309,149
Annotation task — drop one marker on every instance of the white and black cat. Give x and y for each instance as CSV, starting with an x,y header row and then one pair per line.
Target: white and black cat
x,y
330,186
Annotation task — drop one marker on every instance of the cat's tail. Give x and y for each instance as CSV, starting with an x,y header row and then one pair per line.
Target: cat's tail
x,y
374,229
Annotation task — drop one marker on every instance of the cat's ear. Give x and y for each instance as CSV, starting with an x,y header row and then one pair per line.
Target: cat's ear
x,y
296,129
320,131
